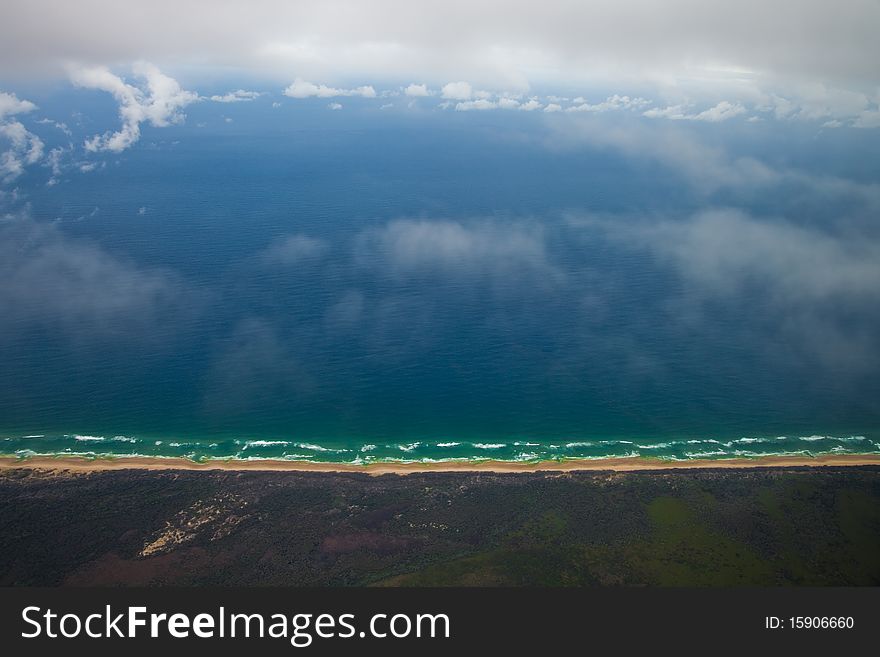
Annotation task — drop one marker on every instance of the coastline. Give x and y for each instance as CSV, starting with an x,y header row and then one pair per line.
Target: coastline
x,y
628,464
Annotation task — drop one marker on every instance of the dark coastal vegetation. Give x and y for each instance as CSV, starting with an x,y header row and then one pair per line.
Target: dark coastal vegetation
x,y
757,526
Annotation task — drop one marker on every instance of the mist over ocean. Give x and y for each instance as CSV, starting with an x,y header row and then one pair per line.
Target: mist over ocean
x,y
296,282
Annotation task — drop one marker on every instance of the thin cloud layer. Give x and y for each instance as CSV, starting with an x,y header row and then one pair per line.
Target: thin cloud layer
x,y
78,290
496,43
294,249
410,247
817,289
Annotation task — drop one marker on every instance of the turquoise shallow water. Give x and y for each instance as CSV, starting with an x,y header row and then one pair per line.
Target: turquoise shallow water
x,y
431,451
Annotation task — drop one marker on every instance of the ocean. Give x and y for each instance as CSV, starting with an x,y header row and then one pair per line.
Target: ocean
x,y
324,287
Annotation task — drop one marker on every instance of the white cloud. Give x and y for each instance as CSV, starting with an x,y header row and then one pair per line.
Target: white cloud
x,y
417,90
11,105
305,89
508,103
158,100
237,96
553,107
721,112
530,105
615,102
457,91
481,104
53,161
25,145
674,112
366,91
335,106
25,148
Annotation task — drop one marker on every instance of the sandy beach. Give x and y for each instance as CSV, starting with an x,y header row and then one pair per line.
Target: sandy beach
x,y
82,464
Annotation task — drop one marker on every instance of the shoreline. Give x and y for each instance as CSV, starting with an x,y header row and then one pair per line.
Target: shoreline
x,y
627,464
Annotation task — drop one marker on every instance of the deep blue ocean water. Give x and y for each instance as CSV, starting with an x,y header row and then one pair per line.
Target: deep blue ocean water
x,y
373,286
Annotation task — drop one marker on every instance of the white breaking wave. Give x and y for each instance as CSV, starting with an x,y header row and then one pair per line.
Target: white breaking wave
x,y
318,448
677,450
264,443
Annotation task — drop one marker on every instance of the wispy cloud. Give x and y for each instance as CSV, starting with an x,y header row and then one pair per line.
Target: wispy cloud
x,y
294,249
78,290
254,368
817,288
412,247
238,96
